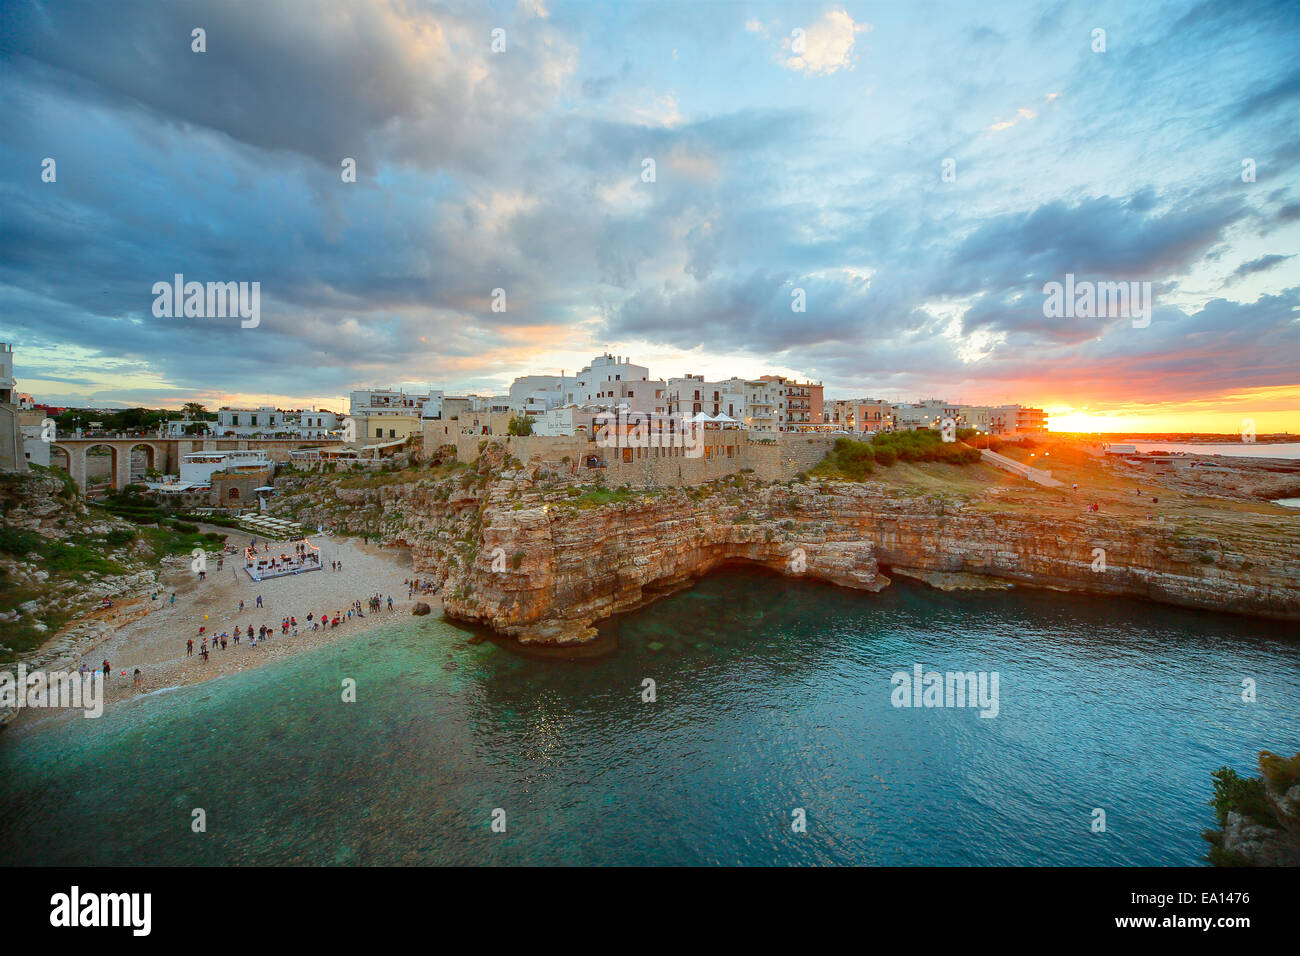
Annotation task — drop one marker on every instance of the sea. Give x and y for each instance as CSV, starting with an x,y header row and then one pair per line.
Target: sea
x,y
751,719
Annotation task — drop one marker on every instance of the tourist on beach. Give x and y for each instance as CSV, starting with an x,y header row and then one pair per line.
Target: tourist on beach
x,y
107,669
138,679
241,607
189,647
259,600
390,602
173,600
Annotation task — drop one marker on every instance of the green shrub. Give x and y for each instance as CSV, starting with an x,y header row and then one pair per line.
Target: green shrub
x,y
847,459
19,541
1244,795
925,445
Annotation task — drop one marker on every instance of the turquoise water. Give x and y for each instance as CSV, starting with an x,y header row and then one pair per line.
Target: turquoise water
x,y
773,694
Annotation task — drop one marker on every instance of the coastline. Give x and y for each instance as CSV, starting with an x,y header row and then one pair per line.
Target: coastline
x,y
151,633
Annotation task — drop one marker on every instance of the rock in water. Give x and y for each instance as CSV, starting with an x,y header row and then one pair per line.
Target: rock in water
x,y
421,608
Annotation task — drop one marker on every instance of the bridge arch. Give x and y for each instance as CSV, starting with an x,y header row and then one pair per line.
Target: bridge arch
x,y
117,473
151,460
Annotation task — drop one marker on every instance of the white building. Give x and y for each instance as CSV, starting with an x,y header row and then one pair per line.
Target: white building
x,y
928,413
609,380
266,421
198,468
691,394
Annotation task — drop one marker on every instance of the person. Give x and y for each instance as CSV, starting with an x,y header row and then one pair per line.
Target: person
x,y
107,669
241,608
173,600
138,677
390,602
189,647
259,600
1076,486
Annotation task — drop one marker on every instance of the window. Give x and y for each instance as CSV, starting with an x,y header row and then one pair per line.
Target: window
x,y
234,494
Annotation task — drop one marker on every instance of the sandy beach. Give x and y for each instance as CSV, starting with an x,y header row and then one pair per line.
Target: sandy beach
x,y
151,633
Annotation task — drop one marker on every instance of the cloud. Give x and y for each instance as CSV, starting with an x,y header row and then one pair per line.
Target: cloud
x,y
522,171
1262,264
825,46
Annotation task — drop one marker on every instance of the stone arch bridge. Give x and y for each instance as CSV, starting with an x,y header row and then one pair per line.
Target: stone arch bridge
x,y
161,454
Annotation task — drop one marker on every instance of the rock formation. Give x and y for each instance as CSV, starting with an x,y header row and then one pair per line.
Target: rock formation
x,y
522,552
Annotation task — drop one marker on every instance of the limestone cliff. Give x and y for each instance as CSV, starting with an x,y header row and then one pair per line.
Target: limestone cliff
x,y
525,554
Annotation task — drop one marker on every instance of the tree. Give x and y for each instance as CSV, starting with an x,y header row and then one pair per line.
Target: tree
x,y
520,425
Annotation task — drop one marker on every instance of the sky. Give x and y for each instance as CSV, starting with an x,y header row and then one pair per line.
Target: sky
x,y
915,173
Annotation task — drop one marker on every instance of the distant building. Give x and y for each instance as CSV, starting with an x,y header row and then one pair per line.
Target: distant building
x,y
199,467
267,422
385,414
804,403
860,415
12,456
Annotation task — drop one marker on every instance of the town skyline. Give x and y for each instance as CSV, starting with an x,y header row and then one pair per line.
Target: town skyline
x,y
914,179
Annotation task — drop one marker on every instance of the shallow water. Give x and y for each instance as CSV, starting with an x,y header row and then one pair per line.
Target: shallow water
x,y
773,694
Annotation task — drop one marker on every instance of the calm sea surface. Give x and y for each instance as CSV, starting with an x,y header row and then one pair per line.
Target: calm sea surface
x,y
773,694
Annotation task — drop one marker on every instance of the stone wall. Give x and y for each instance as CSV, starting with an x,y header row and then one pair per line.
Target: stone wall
x,y
725,453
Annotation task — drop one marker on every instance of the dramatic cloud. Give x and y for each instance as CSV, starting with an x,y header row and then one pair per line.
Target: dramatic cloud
x,y
662,180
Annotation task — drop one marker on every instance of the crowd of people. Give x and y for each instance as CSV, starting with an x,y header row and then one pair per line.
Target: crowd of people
x,y
289,626
416,586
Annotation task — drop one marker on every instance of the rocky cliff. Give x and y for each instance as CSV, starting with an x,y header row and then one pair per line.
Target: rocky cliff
x,y
526,555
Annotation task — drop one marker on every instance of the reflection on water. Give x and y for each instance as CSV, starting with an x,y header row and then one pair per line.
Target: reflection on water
x,y
772,694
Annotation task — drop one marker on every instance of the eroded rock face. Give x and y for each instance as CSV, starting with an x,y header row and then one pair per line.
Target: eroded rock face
x,y
544,563
569,567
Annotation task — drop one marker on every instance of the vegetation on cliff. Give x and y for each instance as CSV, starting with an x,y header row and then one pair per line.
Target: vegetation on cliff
x,y
59,556
1259,817
853,460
